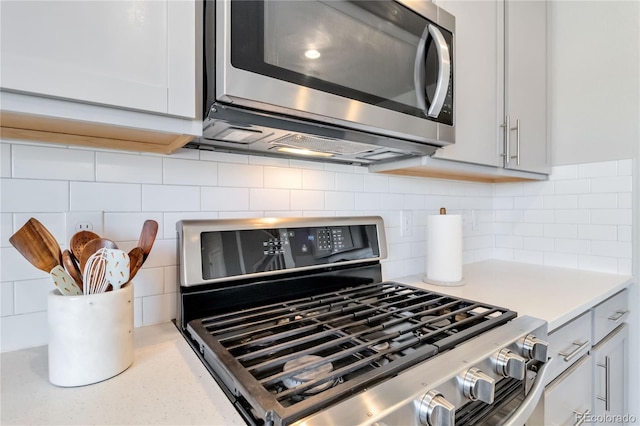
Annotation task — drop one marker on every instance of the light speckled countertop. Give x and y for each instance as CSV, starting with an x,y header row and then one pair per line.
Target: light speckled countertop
x,y
167,383
553,294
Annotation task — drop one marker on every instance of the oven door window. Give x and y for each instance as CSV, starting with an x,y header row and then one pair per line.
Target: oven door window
x,y
379,52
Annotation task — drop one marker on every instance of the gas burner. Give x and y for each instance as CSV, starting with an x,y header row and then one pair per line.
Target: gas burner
x,y
438,324
307,375
380,346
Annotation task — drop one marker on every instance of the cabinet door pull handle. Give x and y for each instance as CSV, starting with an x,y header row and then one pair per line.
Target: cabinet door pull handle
x,y
507,143
620,315
607,377
581,417
580,346
517,129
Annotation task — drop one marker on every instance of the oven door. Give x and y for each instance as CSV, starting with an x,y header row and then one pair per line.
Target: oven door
x,y
375,66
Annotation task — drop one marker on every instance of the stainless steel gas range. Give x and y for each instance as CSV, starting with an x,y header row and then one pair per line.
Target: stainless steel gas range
x,y
293,320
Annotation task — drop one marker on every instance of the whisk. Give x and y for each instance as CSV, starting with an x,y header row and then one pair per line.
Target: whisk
x,y
94,274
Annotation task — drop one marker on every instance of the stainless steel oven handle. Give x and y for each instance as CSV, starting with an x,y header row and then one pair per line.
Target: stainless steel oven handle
x,y
444,71
524,411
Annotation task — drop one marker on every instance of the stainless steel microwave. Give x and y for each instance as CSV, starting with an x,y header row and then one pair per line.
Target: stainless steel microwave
x,y
348,81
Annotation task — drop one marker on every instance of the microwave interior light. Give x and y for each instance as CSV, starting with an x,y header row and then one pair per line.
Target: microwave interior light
x,y
312,54
299,151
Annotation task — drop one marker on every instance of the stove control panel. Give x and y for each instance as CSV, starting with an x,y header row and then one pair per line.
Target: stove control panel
x,y
478,386
435,410
534,348
510,364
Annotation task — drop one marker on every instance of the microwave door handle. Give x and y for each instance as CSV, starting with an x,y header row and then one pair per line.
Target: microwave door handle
x,y
419,79
444,71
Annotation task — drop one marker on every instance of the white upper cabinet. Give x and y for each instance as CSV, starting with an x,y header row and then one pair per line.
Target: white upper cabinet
x,y
137,55
501,73
478,81
526,86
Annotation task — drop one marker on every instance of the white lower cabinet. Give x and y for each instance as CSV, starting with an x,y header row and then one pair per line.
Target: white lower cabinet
x,y
610,362
567,400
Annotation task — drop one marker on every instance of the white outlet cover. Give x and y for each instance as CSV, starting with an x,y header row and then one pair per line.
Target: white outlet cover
x,y
96,219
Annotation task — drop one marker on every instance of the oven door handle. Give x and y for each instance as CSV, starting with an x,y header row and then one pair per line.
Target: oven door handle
x,y
444,71
522,414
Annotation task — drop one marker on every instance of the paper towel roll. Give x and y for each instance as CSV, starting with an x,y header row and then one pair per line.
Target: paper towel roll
x,y
444,249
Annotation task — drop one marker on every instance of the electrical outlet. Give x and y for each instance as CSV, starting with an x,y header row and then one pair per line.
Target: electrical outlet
x,y
84,221
406,223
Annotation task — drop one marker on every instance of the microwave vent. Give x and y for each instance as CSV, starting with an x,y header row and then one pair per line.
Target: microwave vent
x,y
314,143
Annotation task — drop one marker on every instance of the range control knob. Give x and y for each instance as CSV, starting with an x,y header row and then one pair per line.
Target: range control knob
x,y
478,386
534,348
435,410
509,364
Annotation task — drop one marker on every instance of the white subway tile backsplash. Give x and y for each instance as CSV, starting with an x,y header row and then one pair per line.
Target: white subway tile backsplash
x,y
572,216
598,201
598,232
5,160
320,180
127,168
189,172
376,183
281,177
339,200
581,217
269,199
611,217
223,157
307,200
95,196
349,182
148,282
170,198
572,186
39,162
604,168
54,222
31,195
6,299
554,230
572,246
23,331
619,249
31,295
240,175
127,226
611,184
625,267
224,199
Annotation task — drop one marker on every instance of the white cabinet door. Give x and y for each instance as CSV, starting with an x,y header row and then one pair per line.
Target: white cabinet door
x,y
103,52
568,397
478,81
610,367
526,85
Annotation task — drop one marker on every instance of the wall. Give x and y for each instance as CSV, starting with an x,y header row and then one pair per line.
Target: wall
x,y
594,64
47,182
580,218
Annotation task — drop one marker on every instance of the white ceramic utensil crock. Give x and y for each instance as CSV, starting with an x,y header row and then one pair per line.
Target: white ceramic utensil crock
x,y
90,336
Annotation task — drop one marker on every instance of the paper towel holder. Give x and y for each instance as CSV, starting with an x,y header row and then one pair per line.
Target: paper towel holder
x,y
426,279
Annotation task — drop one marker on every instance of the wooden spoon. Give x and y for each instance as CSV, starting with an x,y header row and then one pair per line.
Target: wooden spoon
x,y
136,258
37,245
147,237
72,267
93,246
78,241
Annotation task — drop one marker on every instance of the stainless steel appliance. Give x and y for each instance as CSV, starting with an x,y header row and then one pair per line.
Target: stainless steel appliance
x,y
345,81
293,320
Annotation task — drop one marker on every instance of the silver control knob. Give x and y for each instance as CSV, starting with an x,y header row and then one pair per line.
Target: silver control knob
x,y
534,348
435,410
509,364
478,386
